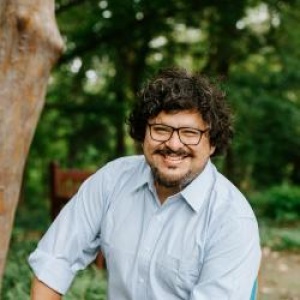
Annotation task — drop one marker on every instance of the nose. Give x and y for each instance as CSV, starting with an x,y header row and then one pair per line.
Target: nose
x,y
174,142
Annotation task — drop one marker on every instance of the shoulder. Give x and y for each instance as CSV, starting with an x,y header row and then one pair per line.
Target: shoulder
x,y
127,161
124,165
230,214
110,179
230,199
119,170
226,206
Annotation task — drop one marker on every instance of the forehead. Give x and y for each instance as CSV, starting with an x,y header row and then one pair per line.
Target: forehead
x,y
184,118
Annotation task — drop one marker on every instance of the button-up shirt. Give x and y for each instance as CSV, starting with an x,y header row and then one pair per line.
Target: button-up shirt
x,y
201,243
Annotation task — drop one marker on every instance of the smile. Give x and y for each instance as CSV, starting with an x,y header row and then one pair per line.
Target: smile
x,y
173,158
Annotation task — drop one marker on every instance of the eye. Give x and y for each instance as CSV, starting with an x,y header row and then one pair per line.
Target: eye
x,y
189,132
162,129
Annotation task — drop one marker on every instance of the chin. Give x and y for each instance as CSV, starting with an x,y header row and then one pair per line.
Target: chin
x,y
173,181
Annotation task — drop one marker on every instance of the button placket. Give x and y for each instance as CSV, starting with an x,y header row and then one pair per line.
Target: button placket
x,y
148,245
153,233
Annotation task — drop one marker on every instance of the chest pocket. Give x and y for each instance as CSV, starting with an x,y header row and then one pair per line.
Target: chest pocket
x,y
178,275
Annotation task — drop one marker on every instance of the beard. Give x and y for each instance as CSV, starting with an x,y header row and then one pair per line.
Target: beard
x,y
169,181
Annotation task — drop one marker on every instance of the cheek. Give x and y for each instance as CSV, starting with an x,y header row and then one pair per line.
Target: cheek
x,y
146,144
148,147
201,156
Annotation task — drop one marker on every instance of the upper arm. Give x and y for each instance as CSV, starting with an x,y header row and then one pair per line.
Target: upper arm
x,y
231,261
73,240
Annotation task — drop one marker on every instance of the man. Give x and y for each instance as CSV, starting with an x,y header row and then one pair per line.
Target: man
x,y
170,226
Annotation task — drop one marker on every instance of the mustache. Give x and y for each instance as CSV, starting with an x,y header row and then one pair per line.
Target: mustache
x,y
167,151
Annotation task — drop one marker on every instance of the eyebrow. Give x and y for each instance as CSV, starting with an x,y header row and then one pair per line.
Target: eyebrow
x,y
191,127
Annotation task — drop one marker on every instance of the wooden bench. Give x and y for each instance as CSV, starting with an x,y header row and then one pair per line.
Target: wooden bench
x,y
64,183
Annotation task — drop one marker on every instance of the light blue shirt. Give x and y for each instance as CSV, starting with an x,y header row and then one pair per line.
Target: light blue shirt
x,y
202,243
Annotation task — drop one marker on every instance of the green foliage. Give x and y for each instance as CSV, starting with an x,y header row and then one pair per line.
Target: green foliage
x,y
16,283
280,238
265,148
89,284
114,46
30,224
279,203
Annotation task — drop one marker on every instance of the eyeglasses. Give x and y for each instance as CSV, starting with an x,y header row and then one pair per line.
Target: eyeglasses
x,y
187,135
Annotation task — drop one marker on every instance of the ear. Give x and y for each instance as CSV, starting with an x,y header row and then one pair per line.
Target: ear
x,y
212,150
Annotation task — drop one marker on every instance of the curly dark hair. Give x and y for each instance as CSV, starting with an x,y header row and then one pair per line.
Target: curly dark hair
x,y
174,90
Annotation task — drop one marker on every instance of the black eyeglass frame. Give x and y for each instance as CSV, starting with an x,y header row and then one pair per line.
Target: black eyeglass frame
x,y
177,129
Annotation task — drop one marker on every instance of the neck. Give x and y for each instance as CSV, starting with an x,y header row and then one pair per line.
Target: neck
x,y
164,192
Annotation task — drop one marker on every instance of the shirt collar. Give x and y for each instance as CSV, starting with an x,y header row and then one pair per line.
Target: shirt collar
x,y
194,194
199,189
144,176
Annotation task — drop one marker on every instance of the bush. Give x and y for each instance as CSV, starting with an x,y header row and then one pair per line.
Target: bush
x,y
279,203
89,284
30,223
280,238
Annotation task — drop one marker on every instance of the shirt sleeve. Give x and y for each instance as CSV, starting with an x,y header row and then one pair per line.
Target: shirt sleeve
x,y
73,239
231,263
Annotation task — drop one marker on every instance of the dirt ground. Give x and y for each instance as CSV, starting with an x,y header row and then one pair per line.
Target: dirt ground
x,y
279,277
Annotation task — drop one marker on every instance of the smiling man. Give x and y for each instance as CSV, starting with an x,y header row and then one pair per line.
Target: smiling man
x,y
175,149
168,223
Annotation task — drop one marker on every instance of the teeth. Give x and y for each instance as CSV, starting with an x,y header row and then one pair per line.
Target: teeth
x,y
174,158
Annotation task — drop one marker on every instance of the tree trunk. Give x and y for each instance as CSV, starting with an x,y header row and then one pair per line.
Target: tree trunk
x,y
30,44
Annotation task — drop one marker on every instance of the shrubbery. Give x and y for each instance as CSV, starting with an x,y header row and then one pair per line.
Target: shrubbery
x,y
278,203
90,284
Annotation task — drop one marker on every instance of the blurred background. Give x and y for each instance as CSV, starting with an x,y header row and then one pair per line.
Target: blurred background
x,y
112,46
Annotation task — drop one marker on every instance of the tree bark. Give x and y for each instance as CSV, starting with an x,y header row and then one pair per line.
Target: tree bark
x,y
30,44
